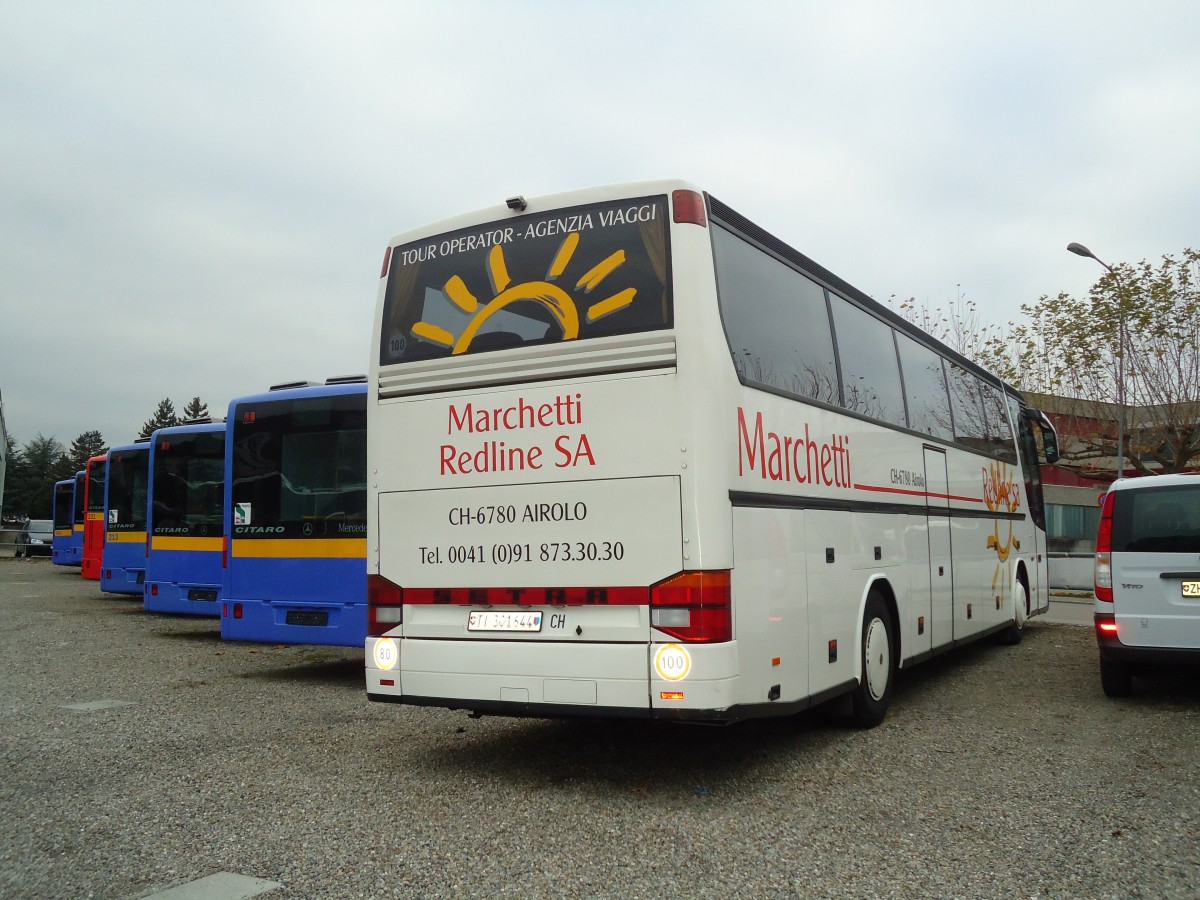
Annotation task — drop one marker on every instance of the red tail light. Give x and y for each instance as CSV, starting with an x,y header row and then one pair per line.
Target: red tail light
x,y
694,607
385,602
387,259
689,207
1106,625
1103,570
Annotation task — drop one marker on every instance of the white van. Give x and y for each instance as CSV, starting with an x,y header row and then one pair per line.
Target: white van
x,y
1148,577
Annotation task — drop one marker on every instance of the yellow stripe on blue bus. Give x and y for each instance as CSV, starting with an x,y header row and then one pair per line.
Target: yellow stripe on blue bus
x,y
186,543
301,548
125,537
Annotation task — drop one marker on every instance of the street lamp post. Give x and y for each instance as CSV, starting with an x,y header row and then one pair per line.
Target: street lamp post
x,y
1080,250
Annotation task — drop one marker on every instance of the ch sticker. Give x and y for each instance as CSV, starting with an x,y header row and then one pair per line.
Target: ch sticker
x,y
672,662
385,653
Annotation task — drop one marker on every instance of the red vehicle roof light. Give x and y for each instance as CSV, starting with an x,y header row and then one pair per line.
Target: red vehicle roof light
x,y
689,208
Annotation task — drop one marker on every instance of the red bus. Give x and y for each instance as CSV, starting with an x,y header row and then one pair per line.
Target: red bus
x,y
93,522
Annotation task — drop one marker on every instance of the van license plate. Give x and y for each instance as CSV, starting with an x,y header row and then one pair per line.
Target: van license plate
x,y
504,621
1191,589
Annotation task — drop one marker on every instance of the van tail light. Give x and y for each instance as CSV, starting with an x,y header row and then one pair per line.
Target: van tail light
x,y
1106,625
694,607
385,605
1103,575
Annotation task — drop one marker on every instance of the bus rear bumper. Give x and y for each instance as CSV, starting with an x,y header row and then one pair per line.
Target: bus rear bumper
x,y
116,580
330,624
187,599
573,679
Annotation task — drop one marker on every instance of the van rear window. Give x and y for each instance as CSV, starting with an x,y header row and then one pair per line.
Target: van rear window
x,y
1158,520
578,273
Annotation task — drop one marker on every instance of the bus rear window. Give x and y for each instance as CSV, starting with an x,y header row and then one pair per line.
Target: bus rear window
x,y
300,468
578,273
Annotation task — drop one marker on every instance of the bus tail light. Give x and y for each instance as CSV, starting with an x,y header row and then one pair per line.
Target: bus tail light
x,y
1103,576
689,208
385,605
540,596
693,607
387,259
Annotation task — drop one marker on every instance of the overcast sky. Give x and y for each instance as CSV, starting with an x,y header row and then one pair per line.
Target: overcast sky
x,y
195,197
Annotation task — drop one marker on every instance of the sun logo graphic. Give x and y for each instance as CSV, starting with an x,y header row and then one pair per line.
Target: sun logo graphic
x,y
1001,493
548,294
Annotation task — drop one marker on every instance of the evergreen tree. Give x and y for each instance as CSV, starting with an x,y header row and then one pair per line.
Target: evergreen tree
x,y
196,409
164,417
29,484
84,447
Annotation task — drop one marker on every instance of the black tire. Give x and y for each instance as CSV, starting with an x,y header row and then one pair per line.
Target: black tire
x,y
1116,678
869,700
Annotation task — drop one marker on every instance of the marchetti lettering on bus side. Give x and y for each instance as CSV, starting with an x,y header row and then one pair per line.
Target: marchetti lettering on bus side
x,y
796,458
497,454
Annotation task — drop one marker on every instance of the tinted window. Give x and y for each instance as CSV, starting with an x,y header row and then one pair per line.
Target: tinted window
x,y
95,488
776,321
925,388
80,487
1157,520
966,402
64,498
870,374
1000,436
189,478
1030,468
584,272
301,465
128,474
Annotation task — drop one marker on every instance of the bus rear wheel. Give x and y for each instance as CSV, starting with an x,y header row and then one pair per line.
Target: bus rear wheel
x,y
869,701
1016,630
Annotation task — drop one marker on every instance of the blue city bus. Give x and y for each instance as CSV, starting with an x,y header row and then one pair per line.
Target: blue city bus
x,y
64,521
296,513
78,518
184,519
123,562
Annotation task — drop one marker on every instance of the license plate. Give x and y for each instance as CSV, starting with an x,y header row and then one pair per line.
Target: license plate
x,y
315,617
504,621
1191,589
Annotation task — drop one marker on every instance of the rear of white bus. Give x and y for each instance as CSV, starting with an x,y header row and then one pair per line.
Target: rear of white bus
x,y
549,526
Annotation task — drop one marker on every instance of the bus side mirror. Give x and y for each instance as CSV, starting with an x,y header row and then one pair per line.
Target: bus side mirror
x,y
1049,435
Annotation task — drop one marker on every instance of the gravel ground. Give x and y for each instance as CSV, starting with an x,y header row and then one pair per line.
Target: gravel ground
x,y
268,761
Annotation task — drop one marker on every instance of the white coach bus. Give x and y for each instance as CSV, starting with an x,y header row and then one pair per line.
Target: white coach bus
x,y
631,455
